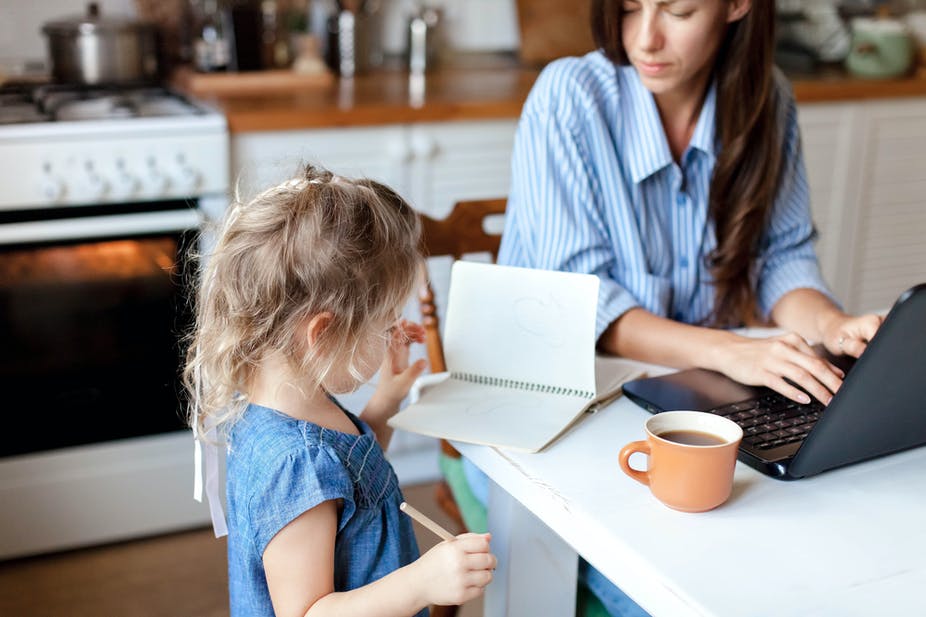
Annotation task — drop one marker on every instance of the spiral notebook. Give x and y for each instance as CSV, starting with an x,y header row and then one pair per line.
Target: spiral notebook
x,y
519,346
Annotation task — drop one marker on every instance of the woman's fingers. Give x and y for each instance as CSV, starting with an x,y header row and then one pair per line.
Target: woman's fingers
x,y
780,385
857,334
797,362
807,381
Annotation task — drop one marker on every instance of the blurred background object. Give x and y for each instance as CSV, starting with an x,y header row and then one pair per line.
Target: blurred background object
x,y
425,38
882,48
552,29
810,32
354,35
92,48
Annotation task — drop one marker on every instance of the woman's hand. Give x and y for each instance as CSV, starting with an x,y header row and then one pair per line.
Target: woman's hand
x,y
456,571
770,361
850,335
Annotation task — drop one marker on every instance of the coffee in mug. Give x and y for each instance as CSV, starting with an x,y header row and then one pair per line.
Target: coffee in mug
x,y
692,456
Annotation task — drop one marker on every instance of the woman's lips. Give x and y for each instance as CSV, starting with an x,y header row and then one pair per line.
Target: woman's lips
x,y
652,68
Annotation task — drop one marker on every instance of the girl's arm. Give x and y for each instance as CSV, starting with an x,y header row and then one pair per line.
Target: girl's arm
x,y
396,378
299,565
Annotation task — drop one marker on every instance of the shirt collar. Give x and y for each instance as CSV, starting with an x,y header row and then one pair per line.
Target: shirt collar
x,y
644,142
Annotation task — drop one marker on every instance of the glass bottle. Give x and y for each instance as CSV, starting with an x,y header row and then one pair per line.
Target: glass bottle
x,y
211,51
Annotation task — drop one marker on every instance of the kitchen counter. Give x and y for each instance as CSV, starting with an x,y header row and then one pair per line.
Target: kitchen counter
x,y
471,89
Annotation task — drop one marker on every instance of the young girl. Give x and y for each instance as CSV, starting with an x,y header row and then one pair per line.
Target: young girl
x,y
300,301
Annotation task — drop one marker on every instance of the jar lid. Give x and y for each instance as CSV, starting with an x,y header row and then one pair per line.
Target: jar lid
x,y
91,22
878,25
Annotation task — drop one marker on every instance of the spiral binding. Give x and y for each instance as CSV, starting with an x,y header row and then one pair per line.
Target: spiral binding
x,y
521,385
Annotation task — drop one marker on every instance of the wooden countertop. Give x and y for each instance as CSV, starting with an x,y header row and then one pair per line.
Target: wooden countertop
x,y
474,90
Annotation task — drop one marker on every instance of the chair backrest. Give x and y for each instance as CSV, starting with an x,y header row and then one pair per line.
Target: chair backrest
x,y
461,233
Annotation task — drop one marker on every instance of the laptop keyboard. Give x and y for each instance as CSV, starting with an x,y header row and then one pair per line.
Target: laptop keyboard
x,y
772,420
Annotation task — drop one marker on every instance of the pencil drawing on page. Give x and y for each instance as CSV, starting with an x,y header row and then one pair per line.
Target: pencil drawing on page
x,y
539,317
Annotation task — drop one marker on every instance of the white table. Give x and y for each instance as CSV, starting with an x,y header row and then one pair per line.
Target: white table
x,y
849,542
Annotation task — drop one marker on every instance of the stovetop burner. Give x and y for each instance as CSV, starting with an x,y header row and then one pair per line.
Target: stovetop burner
x,y
30,103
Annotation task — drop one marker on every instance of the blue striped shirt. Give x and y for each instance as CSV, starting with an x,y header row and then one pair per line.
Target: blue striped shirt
x,y
595,189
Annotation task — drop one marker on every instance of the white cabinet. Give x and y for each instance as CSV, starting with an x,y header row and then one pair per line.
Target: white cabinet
x,y
262,159
866,166
431,165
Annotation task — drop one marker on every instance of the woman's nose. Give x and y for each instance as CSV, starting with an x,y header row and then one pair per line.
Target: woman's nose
x,y
649,35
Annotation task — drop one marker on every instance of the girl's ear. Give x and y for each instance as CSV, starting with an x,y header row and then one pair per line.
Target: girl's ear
x,y
316,326
737,9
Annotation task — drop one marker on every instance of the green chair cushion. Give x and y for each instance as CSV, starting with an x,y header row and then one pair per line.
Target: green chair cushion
x,y
472,511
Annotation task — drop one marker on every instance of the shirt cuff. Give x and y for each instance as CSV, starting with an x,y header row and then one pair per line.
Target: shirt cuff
x,y
613,301
802,273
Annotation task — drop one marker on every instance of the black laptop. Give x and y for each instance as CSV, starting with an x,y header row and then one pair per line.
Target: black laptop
x,y
880,408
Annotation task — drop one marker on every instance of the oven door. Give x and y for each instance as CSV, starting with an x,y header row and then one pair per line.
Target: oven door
x,y
94,303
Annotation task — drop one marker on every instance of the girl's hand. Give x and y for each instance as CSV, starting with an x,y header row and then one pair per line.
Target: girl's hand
x,y
770,361
396,376
850,335
456,571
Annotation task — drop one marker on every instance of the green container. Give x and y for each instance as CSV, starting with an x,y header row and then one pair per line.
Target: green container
x,y
881,49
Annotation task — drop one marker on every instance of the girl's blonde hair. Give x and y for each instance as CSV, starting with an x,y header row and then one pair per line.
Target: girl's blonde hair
x,y
316,243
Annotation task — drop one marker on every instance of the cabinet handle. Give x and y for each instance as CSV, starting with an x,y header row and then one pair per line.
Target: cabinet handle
x,y
424,147
399,152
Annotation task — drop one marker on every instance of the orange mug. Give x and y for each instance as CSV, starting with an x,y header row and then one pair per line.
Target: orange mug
x,y
692,455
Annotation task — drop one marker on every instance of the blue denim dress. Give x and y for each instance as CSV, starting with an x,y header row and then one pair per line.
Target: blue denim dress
x,y
277,468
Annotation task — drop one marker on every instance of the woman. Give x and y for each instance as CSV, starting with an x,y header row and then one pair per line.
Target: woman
x,y
668,163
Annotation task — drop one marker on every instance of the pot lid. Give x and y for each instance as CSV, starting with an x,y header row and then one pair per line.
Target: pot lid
x,y
91,22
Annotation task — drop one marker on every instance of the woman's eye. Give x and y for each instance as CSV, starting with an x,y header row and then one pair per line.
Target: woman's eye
x,y
630,7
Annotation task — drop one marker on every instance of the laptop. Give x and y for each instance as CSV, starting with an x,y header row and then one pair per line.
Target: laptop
x,y
880,408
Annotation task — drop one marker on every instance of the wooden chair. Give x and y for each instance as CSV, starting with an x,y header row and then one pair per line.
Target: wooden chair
x,y
461,233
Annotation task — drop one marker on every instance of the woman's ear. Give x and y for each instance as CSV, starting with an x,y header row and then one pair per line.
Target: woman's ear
x,y
737,9
316,326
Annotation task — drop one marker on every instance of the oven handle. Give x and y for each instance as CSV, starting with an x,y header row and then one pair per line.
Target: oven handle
x,y
100,226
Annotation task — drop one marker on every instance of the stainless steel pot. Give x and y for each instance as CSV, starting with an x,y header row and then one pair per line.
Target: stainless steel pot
x,y
92,49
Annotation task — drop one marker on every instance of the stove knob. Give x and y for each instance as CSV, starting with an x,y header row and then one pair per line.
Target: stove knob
x,y
189,179
126,184
156,181
52,188
96,186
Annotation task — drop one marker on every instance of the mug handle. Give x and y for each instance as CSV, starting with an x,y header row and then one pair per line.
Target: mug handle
x,y
635,446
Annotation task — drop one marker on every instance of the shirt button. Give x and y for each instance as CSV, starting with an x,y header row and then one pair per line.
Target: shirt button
x,y
683,262
680,199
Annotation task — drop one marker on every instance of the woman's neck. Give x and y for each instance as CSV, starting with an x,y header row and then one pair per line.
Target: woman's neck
x,y
274,385
679,112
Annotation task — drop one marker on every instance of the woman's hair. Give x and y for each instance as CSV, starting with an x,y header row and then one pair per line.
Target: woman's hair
x,y
748,168
316,243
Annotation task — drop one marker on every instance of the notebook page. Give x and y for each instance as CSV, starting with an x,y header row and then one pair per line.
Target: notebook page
x,y
489,415
521,324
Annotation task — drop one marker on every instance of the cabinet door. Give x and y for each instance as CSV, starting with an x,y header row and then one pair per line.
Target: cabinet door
x,y
459,160
890,242
826,135
262,159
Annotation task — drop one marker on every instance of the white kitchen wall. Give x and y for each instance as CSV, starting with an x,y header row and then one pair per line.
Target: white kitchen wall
x,y
470,25
21,22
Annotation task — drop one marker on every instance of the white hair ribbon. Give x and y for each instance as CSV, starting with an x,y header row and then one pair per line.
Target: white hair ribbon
x,y
208,441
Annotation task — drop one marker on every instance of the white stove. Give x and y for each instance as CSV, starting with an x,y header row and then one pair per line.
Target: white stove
x,y
105,192
72,146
